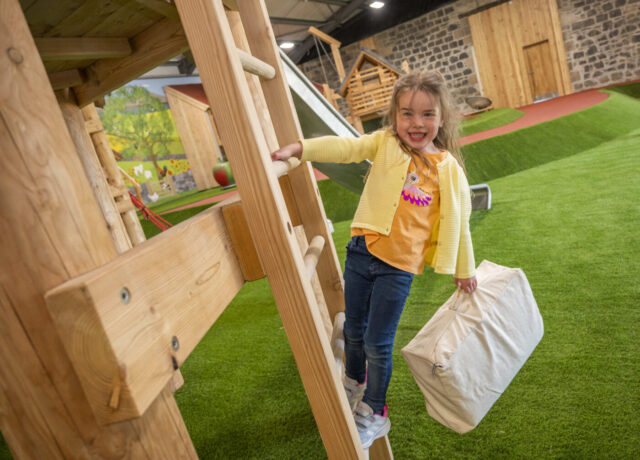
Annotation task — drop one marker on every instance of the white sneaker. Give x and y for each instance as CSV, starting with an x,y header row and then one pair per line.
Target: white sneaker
x,y
370,426
354,390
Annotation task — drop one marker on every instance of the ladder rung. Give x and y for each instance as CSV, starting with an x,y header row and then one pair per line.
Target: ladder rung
x,y
312,254
283,167
256,66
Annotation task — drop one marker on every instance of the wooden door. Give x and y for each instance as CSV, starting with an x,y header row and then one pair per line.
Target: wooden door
x,y
540,71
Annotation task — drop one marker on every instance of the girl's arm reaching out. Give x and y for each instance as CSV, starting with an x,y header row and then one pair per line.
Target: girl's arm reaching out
x,y
468,285
288,151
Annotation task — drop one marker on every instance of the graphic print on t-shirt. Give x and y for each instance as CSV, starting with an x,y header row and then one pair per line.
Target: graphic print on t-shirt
x,y
412,193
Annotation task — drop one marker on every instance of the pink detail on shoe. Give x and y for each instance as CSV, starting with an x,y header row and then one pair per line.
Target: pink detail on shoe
x,y
385,411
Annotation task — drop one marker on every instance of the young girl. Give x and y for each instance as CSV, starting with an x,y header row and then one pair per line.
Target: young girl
x,y
414,210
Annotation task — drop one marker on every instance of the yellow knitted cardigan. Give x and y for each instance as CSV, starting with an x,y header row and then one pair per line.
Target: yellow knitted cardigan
x,y
451,249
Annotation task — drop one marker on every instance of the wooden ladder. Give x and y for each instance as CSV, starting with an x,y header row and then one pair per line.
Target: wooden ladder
x,y
253,116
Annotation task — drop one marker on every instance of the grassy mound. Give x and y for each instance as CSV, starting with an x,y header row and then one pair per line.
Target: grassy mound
x,y
529,147
629,89
489,120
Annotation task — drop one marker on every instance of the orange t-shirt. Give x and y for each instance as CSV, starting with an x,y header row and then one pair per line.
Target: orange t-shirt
x,y
407,244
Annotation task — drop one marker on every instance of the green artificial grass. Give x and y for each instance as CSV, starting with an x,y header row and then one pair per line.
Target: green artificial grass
x,y
150,229
339,203
629,89
489,120
191,196
519,150
570,222
571,225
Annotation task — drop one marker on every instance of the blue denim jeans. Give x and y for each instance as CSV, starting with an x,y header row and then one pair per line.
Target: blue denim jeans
x,y
375,294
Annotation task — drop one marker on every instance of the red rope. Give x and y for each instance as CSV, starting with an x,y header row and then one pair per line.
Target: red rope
x,y
148,214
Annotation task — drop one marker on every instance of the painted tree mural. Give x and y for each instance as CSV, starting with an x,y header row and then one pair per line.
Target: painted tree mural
x,y
142,123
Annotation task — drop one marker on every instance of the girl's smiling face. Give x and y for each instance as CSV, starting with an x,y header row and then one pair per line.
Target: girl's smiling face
x,y
418,120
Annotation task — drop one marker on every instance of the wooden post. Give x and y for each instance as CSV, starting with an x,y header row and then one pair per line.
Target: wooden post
x,y
52,230
92,168
114,177
335,49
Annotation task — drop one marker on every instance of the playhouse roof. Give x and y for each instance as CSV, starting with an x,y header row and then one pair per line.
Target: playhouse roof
x,y
366,55
192,92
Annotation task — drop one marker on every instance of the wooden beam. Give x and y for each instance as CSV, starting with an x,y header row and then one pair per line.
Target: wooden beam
x,y
335,49
324,37
66,49
240,234
103,192
130,323
65,79
112,172
95,174
163,7
152,47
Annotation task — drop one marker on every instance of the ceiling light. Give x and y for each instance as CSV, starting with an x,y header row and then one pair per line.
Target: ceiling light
x,y
376,5
287,45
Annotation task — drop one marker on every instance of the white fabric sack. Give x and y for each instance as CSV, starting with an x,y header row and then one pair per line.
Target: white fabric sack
x,y
467,354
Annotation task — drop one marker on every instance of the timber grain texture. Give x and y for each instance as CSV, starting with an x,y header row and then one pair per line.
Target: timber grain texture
x,y
130,323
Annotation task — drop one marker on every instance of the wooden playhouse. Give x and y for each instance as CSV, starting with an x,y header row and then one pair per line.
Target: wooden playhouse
x,y
94,322
368,87
197,130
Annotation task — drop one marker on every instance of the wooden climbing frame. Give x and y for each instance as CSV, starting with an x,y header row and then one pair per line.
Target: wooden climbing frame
x,y
93,330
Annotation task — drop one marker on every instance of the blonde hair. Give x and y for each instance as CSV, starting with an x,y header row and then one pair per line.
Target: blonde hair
x,y
433,83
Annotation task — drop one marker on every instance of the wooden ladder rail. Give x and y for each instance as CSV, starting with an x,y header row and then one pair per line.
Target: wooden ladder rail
x,y
302,184
247,147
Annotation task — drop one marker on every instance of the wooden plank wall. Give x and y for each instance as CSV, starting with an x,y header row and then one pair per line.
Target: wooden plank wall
x,y
499,36
197,136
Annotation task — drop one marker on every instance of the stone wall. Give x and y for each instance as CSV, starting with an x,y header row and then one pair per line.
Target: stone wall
x,y
184,181
437,40
602,41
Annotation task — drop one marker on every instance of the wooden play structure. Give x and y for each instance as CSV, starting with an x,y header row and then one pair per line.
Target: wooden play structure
x,y
326,90
195,124
368,87
520,52
94,324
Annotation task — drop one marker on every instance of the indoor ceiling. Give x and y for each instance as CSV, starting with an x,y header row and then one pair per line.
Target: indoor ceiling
x,y
345,20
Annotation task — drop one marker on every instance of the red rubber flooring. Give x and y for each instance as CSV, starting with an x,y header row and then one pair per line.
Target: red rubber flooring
x,y
533,114
543,111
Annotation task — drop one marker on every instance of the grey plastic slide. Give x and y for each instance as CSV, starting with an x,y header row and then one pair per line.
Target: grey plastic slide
x,y
318,118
